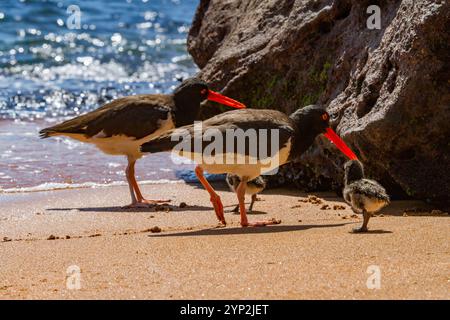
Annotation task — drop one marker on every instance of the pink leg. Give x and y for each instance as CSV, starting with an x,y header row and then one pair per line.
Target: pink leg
x,y
240,191
215,199
137,200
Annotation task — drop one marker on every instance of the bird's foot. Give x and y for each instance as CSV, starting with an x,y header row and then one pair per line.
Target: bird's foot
x,y
360,230
154,201
145,204
260,223
220,225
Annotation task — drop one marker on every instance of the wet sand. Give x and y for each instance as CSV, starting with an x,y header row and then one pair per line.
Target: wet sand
x,y
310,255
28,162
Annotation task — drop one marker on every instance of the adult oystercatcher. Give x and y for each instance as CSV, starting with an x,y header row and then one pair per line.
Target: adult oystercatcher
x,y
120,127
363,195
268,139
252,188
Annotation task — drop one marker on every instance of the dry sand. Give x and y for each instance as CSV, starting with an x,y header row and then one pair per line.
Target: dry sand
x,y
310,255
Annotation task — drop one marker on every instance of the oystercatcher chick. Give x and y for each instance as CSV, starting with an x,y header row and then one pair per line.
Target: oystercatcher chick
x,y
247,143
120,127
253,187
363,195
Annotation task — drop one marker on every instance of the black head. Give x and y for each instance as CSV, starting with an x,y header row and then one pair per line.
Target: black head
x,y
354,171
192,89
313,118
309,121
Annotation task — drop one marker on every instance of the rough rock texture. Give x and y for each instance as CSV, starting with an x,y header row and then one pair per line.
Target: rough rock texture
x,y
387,90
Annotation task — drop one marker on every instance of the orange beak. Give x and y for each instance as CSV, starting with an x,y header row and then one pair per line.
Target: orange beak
x,y
340,144
217,97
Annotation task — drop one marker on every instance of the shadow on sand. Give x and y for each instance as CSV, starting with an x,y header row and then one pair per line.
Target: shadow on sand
x,y
120,209
371,232
240,230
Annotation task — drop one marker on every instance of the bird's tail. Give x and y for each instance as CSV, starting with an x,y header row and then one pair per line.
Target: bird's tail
x,y
72,126
46,133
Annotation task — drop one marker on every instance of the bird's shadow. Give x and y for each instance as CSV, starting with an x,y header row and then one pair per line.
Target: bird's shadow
x,y
240,230
371,232
120,209
253,212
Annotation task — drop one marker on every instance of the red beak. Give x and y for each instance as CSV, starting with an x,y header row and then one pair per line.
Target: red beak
x,y
217,97
340,144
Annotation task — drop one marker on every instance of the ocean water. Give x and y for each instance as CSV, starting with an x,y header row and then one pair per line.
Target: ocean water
x,y
59,59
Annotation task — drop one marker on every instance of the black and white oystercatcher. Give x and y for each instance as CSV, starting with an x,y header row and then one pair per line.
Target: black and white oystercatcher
x,y
363,195
261,153
252,188
123,125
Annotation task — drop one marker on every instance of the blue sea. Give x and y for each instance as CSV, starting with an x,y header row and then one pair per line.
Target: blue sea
x,y
59,59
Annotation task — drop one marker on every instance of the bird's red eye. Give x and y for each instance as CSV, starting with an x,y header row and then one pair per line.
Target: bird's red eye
x,y
325,117
203,91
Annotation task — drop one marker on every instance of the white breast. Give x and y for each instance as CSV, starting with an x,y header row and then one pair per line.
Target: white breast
x,y
242,165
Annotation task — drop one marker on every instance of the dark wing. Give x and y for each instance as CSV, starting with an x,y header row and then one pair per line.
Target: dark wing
x,y
134,116
369,188
252,122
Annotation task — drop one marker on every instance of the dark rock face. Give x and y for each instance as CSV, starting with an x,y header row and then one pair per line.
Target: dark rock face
x,y
387,90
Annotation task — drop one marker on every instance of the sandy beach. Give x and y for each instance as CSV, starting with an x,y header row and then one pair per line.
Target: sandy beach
x,y
310,255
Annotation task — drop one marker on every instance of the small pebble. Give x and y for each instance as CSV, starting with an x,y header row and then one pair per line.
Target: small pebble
x,y
183,205
6,239
155,229
51,237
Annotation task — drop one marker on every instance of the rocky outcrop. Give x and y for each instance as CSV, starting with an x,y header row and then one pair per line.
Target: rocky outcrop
x,y
387,89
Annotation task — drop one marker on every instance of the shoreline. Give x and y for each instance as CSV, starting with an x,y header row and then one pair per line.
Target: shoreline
x,y
310,255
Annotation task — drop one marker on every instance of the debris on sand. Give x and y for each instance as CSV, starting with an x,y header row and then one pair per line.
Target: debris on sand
x,y
163,207
312,199
183,205
155,229
296,206
325,207
338,207
52,237
94,235
6,239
